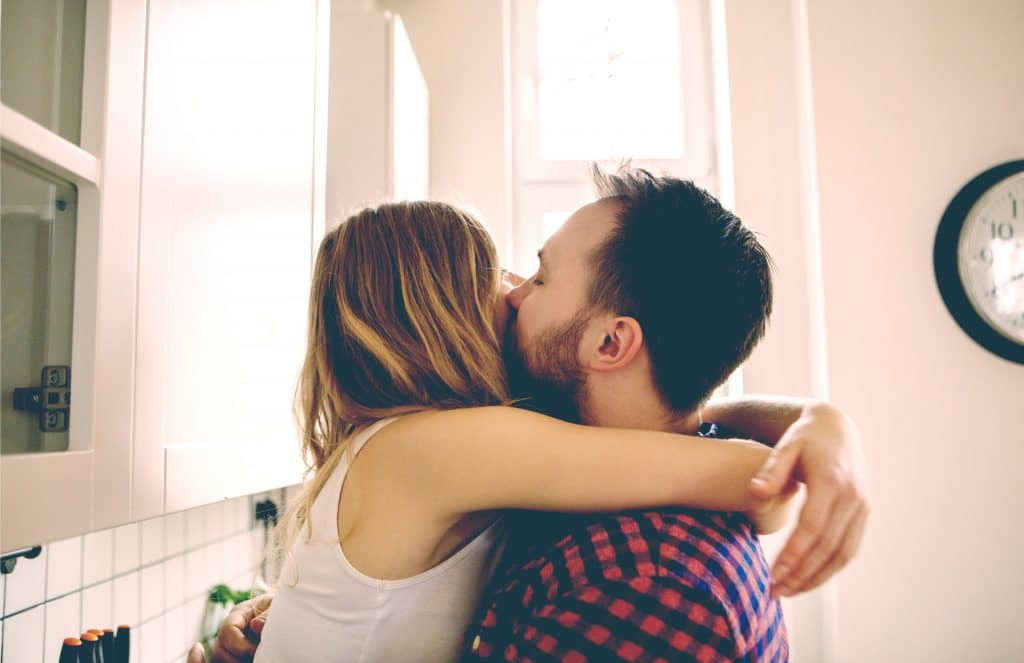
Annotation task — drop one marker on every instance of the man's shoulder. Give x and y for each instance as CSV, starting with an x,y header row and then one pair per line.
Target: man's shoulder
x,y
689,544
715,554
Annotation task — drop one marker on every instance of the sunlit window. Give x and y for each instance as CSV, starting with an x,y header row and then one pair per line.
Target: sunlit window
x,y
609,80
551,222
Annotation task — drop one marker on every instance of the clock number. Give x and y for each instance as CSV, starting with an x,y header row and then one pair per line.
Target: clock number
x,y
985,255
1002,231
1014,201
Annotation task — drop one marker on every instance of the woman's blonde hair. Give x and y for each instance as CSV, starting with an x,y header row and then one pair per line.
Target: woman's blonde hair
x,y
401,314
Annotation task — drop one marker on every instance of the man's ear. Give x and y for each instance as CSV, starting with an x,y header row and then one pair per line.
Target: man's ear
x,y
621,342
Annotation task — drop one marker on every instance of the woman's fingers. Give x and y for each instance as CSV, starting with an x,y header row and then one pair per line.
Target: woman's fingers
x,y
196,654
846,552
814,520
774,475
233,645
824,548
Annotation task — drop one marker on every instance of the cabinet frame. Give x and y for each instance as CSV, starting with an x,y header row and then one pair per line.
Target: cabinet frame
x,y
47,496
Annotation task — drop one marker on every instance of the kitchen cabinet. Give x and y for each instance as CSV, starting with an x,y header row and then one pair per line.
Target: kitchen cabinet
x,y
198,184
72,73
230,215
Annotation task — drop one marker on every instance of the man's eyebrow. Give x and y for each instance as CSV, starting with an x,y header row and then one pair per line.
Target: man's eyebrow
x,y
540,256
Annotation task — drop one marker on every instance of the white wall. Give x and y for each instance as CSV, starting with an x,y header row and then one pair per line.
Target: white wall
x,y
461,45
910,100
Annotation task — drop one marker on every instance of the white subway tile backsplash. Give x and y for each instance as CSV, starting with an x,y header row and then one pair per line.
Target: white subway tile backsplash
x,y
23,636
214,564
195,610
152,540
174,580
154,576
174,632
174,533
126,600
63,566
151,588
98,556
151,637
126,548
26,586
195,572
63,620
215,521
237,515
256,546
195,528
97,611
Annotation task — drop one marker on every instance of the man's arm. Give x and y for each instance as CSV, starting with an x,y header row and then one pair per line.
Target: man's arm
x,y
761,418
636,619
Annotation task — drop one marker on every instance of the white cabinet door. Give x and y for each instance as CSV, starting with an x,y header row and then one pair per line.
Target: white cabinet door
x,y
84,482
230,177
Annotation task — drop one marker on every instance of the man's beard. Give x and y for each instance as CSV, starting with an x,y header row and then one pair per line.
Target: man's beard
x,y
548,377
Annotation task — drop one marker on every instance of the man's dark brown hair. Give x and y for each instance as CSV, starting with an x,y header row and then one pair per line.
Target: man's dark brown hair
x,y
688,270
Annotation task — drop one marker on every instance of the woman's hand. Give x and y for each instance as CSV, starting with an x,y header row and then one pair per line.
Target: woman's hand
x,y
771,514
240,633
823,450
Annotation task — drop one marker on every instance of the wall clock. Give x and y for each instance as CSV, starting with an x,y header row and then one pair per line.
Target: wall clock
x,y
979,259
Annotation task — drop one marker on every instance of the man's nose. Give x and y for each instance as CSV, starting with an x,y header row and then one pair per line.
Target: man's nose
x,y
515,297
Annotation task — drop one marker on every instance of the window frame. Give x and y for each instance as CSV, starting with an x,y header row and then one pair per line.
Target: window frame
x,y
543,186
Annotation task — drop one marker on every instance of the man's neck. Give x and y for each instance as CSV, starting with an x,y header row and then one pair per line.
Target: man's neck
x,y
638,407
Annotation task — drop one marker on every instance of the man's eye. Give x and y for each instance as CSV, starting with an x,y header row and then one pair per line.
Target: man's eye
x,y
537,282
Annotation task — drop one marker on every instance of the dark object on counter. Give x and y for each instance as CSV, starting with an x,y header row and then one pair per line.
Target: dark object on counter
x,y
100,658
107,645
122,644
69,650
266,513
89,652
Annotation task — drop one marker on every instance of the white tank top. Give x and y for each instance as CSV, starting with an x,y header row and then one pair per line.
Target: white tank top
x,y
326,610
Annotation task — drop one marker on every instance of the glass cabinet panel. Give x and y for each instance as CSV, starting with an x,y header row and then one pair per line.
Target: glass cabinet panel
x,y
37,266
41,57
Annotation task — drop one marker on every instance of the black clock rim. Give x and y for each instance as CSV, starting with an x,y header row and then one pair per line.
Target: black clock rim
x,y
947,275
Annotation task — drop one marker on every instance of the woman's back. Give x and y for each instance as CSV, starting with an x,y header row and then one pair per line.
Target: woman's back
x,y
327,610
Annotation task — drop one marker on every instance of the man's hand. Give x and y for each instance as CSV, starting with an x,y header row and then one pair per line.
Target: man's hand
x,y
241,630
822,449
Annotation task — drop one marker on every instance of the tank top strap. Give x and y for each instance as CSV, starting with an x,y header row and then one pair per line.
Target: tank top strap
x,y
363,436
324,514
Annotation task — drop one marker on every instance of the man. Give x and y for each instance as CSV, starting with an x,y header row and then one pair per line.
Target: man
x,y
657,292
644,302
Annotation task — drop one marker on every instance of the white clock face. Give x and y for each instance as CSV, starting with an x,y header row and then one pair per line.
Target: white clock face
x,y
990,257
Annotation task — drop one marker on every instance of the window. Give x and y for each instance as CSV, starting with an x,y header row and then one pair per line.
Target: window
x,y
598,64
604,80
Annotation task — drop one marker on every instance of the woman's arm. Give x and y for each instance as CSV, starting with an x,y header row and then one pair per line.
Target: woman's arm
x,y
476,459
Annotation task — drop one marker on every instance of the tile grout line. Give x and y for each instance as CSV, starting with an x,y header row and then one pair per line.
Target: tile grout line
x,y
3,609
81,582
82,588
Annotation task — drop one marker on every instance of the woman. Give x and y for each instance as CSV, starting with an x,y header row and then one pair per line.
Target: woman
x,y
390,544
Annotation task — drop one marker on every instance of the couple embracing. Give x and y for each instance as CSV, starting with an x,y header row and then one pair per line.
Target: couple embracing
x,y
532,469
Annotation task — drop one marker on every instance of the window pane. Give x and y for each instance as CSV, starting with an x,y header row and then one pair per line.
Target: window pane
x,y
551,222
37,238
609,82
41,55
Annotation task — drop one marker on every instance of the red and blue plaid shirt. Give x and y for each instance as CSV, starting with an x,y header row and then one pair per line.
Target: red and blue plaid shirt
x,y
668,585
